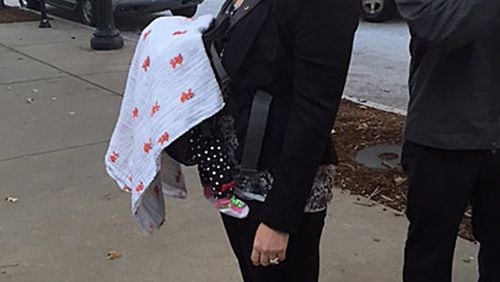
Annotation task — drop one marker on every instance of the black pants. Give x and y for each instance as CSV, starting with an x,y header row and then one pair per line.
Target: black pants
x,y
302,258
441,184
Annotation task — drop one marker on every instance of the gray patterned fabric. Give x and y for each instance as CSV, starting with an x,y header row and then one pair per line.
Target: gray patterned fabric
x,y
322,190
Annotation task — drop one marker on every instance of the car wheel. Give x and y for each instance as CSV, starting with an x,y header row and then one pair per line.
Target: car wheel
x,y
378,10
185,12
87,12
33,4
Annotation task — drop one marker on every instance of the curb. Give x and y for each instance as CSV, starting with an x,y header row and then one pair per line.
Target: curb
x,y
374,105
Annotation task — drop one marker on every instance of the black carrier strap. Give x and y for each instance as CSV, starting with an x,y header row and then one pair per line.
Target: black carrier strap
x,y
218,67
261,102
255,132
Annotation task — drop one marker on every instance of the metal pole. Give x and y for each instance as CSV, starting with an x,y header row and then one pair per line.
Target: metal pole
x,y
44,21
106,36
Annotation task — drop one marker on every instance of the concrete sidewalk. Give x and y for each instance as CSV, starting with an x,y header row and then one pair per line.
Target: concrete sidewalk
x,y
58,104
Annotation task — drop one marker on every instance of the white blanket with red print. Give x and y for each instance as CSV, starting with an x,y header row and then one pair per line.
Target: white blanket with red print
x,y
170,89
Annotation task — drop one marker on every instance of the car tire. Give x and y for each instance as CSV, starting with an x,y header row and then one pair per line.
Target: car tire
x,y
87,11
378,10
33,4
185,12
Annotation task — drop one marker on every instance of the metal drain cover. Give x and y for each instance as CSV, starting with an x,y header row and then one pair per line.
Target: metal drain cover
x,y
380,156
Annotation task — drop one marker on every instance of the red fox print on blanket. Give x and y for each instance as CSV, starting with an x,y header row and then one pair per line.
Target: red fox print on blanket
x,y
177,60
148,146
155,108
146,34
179,32
188,95
146,64
164,138
139,187
114,156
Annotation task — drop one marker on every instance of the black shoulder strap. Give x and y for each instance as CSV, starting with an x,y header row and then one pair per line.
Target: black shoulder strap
x,y
210,38
225,7
255,132
261,102
219,69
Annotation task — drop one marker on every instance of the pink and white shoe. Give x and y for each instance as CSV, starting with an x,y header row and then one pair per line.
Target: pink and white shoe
x,y
232,206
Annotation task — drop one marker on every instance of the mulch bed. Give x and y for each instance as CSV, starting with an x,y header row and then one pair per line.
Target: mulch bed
x,y
358,127
15,15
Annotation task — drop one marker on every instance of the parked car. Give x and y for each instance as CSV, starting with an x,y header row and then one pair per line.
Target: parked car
x,y
86,8
378,10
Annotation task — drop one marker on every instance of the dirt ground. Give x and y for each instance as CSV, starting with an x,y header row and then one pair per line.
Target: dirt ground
x,y
13,15
358,127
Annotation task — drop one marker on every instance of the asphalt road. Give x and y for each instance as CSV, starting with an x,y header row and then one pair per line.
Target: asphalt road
x,y
380,61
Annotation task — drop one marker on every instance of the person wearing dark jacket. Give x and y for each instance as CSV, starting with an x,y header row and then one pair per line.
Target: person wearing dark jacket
x,y
298,52
451,152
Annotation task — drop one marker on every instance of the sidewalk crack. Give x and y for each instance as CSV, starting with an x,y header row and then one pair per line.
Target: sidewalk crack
x,y
14,82
62,70
54,151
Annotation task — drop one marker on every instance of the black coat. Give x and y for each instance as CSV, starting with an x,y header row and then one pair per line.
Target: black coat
x,y
298,51
455,73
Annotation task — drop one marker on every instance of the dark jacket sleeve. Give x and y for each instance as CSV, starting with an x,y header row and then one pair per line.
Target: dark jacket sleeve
x,y
449,23
321,33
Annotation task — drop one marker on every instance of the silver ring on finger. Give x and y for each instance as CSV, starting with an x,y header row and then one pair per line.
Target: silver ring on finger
x,y
274,261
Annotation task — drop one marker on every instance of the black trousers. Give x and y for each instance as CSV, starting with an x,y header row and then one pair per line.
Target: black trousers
x,y
302,258
440,185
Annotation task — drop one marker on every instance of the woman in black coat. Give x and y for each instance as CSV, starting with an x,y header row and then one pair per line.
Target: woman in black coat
x,y
298,52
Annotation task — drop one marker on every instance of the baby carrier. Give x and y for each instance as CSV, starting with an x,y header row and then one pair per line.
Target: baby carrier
x,y
208,147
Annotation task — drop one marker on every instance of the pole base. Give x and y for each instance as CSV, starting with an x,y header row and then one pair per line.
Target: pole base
x,y
106,43
44,23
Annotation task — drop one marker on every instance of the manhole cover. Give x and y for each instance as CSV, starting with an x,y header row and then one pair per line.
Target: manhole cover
x,y
380,156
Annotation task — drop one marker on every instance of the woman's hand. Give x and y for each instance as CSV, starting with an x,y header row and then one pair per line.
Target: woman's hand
x,y
268,245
